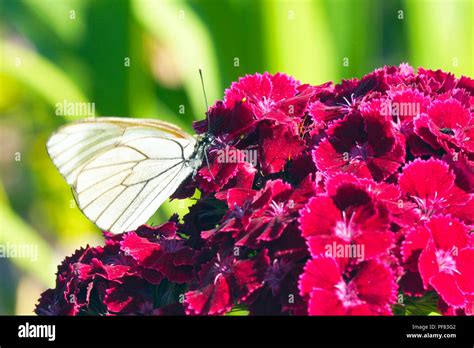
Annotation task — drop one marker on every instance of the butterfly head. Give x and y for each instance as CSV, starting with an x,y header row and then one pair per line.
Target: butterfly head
x,y
203,143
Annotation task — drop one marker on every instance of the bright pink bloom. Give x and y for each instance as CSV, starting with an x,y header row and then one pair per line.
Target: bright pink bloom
x,y
276,97
447,124
349,216
370,291
430,186
446,260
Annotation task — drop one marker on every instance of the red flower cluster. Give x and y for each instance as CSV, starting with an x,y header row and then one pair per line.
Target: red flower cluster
x,y
322,200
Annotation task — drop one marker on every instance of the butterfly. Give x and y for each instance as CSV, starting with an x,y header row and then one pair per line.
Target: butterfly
x,y
122,169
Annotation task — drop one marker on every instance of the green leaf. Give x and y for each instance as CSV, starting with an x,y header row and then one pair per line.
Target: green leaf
x,y
298,40
64,19
440,35
37,73
15,234
238,310
418,305
174,23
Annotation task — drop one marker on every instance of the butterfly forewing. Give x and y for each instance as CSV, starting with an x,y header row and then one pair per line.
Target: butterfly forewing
x,y
121,170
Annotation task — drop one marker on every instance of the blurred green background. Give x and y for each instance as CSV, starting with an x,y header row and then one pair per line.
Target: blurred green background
x,y
140,58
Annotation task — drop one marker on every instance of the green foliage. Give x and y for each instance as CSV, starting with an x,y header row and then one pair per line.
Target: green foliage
x,y
441,36
238,310
16,233
426,305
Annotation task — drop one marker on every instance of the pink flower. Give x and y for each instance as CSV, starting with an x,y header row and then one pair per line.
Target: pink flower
x,y
446,259
370,290
277,146
435,82
349,216
436,193
228,168
447,124
404,105
272,97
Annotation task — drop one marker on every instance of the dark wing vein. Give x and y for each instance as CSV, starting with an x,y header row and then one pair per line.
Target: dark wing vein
x,y
138,194
169,185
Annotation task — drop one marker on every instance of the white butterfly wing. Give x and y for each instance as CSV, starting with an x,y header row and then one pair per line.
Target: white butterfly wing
x,y
121,170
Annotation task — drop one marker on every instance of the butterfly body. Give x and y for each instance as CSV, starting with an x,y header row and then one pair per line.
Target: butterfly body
x,y
122,169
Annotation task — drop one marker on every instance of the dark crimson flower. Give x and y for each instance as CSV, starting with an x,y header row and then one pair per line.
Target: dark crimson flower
x,y
263,216
464,97
435,82
463,168
354,90
89,272
401,75
166,254
467,84
365,145
386,193
279,293
52,302
404,105
322,115
370,291
80,276
133,295
107,280
223,281
228,122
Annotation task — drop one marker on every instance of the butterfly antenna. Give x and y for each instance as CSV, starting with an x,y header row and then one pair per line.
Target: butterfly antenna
x,y
208,123
205,100
209,167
